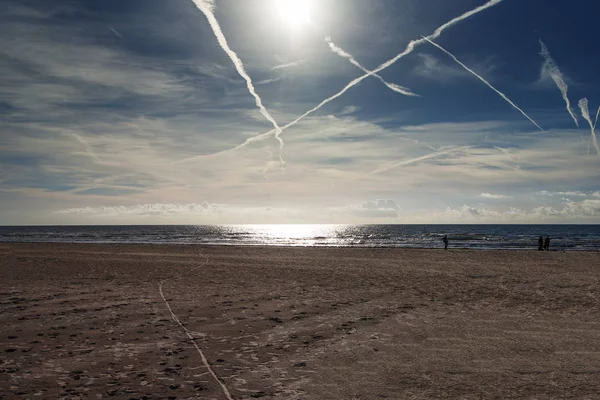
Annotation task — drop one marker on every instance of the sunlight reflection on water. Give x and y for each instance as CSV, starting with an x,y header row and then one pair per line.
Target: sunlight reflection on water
x,y
291,234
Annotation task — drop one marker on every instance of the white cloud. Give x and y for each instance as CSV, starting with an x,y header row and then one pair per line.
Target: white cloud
x,y
381,204
373,210
377,211
348,110
431,67
380,209
494,196
567,193
586,211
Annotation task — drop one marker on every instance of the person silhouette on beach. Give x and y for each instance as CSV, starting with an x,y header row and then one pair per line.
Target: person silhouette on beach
x,y
540,243
547,243
445,240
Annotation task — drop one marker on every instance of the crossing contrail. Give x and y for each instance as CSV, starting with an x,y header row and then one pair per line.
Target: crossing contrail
x,y
585,113
557,76
409,49
207,8
484,81
597,114
342,53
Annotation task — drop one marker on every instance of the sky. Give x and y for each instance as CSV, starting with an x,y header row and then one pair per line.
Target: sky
x,y
298,111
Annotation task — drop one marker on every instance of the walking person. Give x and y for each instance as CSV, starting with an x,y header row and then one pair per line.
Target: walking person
x,y
445,240
547,243
540,243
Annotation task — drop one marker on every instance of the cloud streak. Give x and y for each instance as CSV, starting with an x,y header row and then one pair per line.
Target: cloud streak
x,y
207,8
557,76
88,148
292,64
396,164
484,81
585,113
340,52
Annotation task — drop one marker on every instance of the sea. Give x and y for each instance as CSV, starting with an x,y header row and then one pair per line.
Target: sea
x,y
480,237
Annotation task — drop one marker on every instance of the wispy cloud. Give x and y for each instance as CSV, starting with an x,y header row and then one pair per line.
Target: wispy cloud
x,y
585,113
485,81
557,76
330,154
432,68
88,148
349,110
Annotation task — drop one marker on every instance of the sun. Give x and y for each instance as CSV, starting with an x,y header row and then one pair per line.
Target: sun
x,y
294,12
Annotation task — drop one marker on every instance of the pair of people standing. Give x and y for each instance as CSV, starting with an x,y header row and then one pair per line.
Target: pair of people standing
x,y
544,244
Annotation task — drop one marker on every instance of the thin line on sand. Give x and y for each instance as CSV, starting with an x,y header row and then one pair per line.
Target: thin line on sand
x,y
189,335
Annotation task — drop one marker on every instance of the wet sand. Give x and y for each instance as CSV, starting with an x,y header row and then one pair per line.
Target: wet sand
x,y
89,322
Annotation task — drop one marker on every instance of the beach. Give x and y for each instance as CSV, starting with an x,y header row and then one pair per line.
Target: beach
x,y
95,321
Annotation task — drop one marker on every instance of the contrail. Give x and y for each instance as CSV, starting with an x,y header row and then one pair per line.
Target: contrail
x,y
558,79
585,113
597,114
409,49
207,8
292,64
484,81
269,81
340,52
113,30
396,164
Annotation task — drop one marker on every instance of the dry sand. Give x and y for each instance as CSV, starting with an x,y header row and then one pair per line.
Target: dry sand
x,y
88,321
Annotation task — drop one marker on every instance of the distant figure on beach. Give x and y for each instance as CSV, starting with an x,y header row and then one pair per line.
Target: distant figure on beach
x,y
540,243
445,240
547,243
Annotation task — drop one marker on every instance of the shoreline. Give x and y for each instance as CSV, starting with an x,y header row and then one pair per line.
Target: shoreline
x,y
287,246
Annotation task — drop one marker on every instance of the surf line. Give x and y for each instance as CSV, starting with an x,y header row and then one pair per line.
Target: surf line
x,y
188,333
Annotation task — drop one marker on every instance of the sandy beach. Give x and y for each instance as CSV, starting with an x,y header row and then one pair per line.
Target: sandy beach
x,y
89,322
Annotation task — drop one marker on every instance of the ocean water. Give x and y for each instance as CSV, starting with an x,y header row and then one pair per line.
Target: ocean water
x,y
563,237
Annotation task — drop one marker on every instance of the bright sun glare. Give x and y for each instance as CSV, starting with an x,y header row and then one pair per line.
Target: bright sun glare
x,y
294,12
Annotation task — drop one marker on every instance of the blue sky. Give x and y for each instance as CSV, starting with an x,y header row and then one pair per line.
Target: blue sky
x,y
132,112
